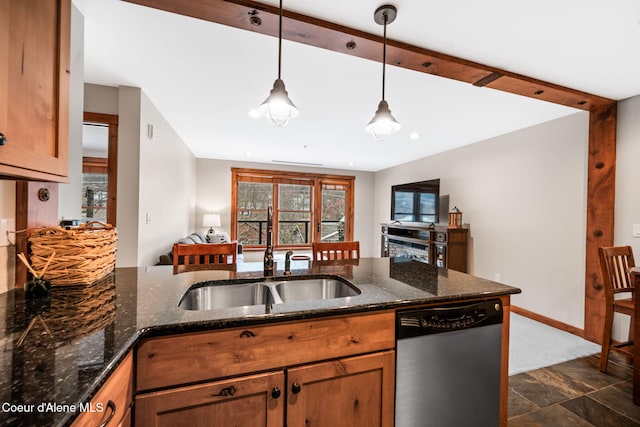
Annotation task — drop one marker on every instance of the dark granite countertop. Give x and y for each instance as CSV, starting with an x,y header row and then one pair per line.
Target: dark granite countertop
x,y
60,350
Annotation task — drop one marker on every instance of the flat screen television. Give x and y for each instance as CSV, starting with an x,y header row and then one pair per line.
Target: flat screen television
x,y
416,202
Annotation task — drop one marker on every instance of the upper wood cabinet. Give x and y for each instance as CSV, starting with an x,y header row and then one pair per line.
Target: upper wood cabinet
x,y
34,89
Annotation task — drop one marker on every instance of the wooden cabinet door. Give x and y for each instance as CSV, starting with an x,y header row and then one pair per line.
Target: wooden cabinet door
x,y
249,401
34,88
111,403
357,392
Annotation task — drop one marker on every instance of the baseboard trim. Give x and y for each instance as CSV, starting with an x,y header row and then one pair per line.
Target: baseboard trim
x,y
548,321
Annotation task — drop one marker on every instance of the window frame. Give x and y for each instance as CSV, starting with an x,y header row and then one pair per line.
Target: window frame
x,y
315,181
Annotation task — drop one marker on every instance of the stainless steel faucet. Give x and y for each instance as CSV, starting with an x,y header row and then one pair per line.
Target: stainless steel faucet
x,y
287,263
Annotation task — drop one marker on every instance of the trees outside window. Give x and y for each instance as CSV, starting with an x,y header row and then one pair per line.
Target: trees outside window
x,y
307,207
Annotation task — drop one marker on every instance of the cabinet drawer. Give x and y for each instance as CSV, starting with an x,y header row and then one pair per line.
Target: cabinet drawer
x,y
114,397
187,358
251,400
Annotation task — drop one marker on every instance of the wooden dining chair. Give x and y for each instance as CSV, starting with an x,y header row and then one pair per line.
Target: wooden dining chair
x,y
323,251
204,254
615,263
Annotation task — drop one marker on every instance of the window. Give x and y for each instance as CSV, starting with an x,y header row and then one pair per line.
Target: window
x,y
307,207
94,189
100,167
294,208
253,200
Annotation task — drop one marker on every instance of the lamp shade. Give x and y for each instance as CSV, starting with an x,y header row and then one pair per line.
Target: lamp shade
x,y
211,220
278,108
383,123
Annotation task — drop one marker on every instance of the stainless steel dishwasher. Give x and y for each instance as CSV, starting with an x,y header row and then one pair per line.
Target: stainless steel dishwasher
x,y
448,366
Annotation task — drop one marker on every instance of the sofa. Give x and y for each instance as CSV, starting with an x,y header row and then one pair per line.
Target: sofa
x,y
198,237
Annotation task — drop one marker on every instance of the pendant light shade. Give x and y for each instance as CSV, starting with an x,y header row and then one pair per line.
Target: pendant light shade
x,y
383,124
278,108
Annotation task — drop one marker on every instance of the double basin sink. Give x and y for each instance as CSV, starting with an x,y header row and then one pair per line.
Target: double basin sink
x,y
212,295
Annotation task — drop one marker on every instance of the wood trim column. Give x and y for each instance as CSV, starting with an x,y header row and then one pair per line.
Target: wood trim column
x,y
601,185
32,212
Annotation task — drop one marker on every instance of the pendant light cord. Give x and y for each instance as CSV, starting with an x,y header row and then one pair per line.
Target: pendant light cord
x,y
384,51
280,41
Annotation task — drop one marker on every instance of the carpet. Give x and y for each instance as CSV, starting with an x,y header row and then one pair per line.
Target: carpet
x,y
535,345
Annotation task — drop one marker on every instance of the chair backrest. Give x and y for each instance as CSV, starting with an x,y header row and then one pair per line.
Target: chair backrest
x,y
615,262
323,251
204,253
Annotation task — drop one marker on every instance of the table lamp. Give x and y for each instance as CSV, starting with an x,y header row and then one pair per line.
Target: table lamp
x,y
211,220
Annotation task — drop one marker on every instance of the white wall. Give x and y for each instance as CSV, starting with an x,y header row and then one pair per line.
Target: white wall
x,y
213,195
7,249
524,196
70,194
627,209
129,104
155,176
167,186
101,99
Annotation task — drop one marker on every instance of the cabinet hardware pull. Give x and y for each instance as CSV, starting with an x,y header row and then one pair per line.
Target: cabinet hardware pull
x,y
247,334
295,388
3,139
111,405
227,391
275,393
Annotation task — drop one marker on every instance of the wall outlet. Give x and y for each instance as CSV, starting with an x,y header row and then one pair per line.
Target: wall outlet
x,y
497,277
148,217
7,231
636,230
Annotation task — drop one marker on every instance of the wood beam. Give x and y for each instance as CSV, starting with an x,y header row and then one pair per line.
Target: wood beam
x,y
327,35
601,185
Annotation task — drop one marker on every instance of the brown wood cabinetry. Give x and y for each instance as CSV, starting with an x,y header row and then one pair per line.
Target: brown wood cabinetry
x,y
111,404
337,370
357,392
34,89
188,358
252,401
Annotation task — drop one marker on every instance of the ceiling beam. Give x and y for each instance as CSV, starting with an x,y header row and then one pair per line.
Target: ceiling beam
x,y
261,18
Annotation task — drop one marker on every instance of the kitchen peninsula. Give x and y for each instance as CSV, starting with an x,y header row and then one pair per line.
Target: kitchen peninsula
x,y
52,357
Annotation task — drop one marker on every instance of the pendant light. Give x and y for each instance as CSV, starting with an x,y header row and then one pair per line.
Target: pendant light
x,y
278,108
383,123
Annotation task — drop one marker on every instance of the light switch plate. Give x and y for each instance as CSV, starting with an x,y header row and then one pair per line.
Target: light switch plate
x,y
636,230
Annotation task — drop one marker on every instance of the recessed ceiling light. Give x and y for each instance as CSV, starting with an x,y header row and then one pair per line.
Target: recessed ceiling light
x,y
254,113
350,163
414,135
248,154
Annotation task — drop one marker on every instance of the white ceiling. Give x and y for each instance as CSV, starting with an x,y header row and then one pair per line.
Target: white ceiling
x,y
205,78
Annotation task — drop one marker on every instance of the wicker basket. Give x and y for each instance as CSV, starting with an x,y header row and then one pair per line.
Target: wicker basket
x,y
83,254
71,313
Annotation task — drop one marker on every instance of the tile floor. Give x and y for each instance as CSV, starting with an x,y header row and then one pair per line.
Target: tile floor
x,y
574,393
